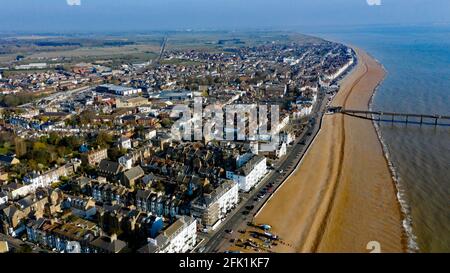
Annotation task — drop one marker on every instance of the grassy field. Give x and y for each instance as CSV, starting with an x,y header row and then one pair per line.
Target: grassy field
x,y
100,52
131,47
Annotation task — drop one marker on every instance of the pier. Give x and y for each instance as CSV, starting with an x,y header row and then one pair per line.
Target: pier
x,y
407,118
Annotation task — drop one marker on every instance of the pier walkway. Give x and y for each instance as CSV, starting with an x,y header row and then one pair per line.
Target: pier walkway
x,y
407,118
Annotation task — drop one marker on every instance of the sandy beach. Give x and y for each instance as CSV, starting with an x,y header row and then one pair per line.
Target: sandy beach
x,y
342,195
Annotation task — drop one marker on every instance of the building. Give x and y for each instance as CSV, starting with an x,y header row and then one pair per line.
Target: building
x,y
250,173
281,150
242,159
94,157
180,237
126,161
63,236
157,204
288,137
36,180
16,190
3,175
9,160
148,134
107,244
14,216
80,206
283,123
211,208
124,143
3,244
302,111
3,198
130,177
177,95
131,102
31,66
118,90
109,169
109,193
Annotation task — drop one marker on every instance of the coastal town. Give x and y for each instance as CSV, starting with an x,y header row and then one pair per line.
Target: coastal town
x,y
89,162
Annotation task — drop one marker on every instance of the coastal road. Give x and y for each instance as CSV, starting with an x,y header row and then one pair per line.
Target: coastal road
x,y
215,241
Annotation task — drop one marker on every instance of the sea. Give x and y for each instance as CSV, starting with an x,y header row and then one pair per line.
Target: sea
x,y
417,61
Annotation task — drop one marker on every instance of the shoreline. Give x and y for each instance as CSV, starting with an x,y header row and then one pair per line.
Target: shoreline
x,y
321,208
409,240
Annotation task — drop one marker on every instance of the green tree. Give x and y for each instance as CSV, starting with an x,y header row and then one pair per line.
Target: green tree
x,y
39,146
86,117
166,122
115,153
20,146
103,140
53,138
159,186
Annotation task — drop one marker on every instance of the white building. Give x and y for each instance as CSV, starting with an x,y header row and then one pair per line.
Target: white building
x,y
21,190
306,110
212,208
125,143
150,134
242,159
281,150
287,137
340,71
118,90
126,161
283,123
31,66
179,237
250,173
3,198
303,111
36,180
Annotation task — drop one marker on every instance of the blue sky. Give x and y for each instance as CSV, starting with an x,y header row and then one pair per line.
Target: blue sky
x,y
140,15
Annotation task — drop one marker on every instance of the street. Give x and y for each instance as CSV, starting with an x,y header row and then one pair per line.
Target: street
x,y
213,242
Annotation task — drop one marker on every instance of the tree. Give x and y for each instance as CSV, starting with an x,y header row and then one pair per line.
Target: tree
x,y
33,165
166,122
37,146
103,139
41,157
115,153
159,186
53,138
86,117
20,146
71,142
61,150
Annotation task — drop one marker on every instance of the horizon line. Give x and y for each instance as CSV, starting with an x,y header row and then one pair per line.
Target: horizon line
x,y
292,28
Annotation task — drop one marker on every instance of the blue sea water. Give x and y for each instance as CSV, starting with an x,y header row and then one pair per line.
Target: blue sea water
x,y
417,61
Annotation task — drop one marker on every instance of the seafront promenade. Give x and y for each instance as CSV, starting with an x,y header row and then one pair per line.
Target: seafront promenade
x,y
342,196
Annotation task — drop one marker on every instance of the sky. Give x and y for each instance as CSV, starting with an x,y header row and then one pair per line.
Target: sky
x,y
141,15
